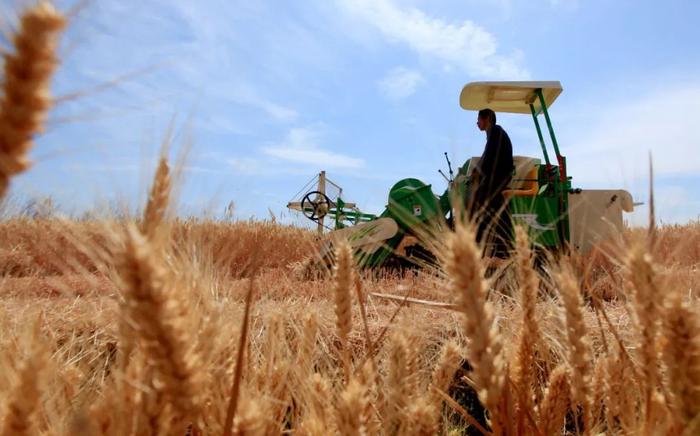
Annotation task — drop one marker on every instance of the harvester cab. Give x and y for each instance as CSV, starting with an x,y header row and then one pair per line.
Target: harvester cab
x,y
540,197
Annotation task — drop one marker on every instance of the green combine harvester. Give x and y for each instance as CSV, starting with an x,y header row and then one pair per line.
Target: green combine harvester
x,y
541,197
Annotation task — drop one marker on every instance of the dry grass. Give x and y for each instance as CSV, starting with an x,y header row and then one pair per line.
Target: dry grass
x,y
157,325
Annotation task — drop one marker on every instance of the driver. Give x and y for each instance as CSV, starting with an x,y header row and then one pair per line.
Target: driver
x,y
492,175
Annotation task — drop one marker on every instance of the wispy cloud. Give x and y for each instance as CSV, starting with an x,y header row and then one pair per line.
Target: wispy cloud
x,y
464,45
301,146
616,142
246,95
400,83
608,146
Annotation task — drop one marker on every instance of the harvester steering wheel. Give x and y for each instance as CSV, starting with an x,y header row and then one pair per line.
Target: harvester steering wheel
x,y
317,208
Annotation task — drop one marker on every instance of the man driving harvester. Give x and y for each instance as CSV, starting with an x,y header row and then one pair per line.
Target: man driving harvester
x,y
492,175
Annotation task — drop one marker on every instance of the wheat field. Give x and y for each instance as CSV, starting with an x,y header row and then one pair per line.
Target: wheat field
x,y
135,327
157,325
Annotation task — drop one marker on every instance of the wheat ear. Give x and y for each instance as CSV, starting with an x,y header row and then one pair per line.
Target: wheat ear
x,y
484,351
397,392
343,272
682,357
442,376
25,398
555,402
421,418
645,297
158,200
157,314
318,412
579,349
620,395
353,409
25,88
305,355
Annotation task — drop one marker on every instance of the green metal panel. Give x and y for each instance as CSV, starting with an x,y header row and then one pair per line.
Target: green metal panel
x,y
546,214
412,202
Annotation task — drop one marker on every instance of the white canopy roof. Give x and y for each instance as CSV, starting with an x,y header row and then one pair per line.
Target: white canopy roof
x,y
511,97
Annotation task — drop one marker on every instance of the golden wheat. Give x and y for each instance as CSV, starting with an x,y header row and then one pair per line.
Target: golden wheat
x,y
25,88
24,402
580,355
484,351
682,358
641,275
529,337
556,402
291,376
154,309
158,199
343,301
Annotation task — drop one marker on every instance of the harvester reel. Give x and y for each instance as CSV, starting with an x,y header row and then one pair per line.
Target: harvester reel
x,y
315,205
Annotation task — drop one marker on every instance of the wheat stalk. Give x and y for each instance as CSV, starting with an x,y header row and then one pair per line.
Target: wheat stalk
x,y
238,370
529,331
25,88
598,388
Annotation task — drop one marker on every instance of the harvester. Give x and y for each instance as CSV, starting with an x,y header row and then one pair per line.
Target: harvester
x,y
541,196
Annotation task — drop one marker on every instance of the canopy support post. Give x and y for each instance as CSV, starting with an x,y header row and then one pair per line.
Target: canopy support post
x,y
560,160
539,135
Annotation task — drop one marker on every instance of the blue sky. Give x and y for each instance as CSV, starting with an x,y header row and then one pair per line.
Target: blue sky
x,y
267,93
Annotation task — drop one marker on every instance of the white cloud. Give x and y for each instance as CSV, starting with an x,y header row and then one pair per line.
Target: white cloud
x,y
301,146
400,83
465,45
607,146
616,142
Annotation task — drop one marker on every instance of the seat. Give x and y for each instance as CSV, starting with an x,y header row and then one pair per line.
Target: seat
x,y
525,182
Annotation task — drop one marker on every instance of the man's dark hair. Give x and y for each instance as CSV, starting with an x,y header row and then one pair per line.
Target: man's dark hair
x,y
488,113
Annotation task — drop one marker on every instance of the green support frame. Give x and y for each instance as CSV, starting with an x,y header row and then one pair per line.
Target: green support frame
x,y
539,135
560,160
